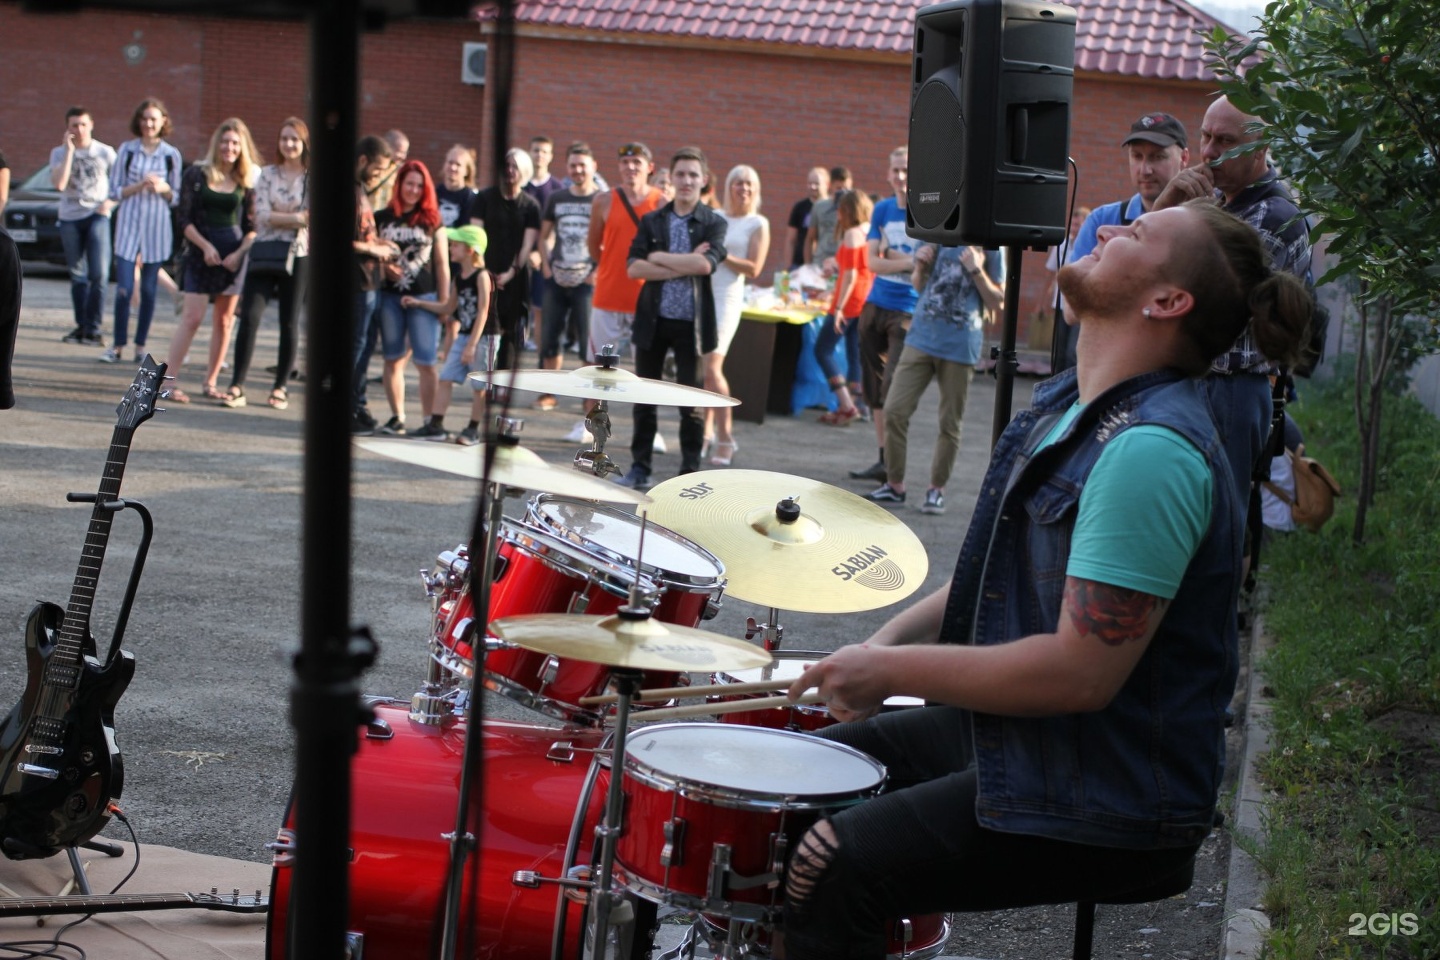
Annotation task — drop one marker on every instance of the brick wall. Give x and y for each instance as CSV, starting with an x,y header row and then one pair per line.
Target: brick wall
x,y
781,114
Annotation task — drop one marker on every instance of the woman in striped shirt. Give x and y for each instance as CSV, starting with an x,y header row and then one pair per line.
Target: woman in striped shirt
x,y
217,216
145,180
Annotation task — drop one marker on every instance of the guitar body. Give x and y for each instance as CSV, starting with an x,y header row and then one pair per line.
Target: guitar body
x,y
40,816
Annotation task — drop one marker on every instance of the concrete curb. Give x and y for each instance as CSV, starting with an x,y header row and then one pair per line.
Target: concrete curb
x,y
1246,925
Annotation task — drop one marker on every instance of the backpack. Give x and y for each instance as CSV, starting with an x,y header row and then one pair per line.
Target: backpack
x,y
1315,491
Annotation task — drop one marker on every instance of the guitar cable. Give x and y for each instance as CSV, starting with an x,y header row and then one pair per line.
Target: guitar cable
x,y
51,949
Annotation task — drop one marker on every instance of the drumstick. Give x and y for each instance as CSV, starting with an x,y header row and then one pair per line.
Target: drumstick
x,y
670,693
732,706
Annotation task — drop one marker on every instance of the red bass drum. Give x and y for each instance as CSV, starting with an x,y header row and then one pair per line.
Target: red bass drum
x,y
543,790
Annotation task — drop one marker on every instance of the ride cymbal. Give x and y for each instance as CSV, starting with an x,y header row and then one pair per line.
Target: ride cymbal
x,y
514,467
792,543
604,383
615,641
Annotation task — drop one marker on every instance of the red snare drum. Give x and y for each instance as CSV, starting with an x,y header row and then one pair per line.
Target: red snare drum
x,y
691,578
542,787
714,809
914,938
788,665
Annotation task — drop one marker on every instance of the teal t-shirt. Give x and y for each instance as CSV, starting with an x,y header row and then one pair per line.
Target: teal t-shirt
x,y
1144,510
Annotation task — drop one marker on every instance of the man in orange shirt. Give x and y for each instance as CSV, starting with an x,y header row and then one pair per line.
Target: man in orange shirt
x,y
614,217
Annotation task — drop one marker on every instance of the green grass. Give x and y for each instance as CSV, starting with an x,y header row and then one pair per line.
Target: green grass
x,y
1354,819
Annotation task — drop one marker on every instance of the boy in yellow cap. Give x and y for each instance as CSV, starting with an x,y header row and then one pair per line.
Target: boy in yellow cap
x,y
473,333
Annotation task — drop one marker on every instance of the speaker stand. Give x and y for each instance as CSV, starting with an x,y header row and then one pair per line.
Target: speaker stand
x,y
1006,360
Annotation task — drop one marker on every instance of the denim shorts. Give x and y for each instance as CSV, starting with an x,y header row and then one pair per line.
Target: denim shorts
x,y
454,371
418,325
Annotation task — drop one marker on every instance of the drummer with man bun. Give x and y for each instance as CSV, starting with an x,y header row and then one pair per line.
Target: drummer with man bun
x,y
1081,659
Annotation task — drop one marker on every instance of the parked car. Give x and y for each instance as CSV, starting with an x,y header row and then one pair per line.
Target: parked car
x,y
32,219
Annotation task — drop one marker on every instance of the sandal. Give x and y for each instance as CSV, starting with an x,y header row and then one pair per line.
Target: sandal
x,y
725,451
278,399
234,399
177,395
840,418
210,393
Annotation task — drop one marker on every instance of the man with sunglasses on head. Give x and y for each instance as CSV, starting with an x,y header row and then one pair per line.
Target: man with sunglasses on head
x,y
614,217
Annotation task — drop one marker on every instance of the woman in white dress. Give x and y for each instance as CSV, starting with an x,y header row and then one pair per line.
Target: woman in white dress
x,y
747,240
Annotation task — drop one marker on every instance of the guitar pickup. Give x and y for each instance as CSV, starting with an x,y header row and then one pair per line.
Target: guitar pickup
x,y
50,751
35,771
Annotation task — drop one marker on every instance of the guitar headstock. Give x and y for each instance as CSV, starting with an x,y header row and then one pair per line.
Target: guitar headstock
x,y
231,902
138,404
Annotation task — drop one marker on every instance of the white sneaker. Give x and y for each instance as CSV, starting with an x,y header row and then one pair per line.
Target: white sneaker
x,y
658,444
579,434
111,355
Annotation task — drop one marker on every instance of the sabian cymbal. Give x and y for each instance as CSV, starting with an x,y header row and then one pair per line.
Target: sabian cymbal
x,y
836,553
639,644
601,383
514,467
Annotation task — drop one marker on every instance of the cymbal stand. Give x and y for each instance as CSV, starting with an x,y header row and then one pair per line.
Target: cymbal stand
x,y
594,459
771,633
462,841
611,907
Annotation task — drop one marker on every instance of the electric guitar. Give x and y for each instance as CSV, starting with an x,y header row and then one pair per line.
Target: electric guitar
x,y
59,765
132,903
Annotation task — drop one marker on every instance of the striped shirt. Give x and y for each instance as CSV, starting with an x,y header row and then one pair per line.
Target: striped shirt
x,y
142,221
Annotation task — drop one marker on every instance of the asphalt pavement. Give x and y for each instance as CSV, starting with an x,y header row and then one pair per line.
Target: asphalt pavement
x,y
204,727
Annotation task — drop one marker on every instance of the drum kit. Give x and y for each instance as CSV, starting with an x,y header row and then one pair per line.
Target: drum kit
x,y
502,839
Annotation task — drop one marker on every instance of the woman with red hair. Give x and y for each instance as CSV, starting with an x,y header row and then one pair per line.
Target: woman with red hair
x,y
420,272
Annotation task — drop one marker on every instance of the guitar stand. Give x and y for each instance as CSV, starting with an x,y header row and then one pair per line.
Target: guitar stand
x,y
147,534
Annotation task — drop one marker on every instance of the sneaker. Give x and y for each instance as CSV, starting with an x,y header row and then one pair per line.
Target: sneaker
x,y
934,502
93,340
394,427
546,402
468,437
637,479
362,424
363,418
876,471
429,430
580,433
111,355
885,494
658,445
74,336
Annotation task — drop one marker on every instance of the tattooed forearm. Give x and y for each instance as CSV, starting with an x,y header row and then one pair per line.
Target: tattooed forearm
x,y
1113,614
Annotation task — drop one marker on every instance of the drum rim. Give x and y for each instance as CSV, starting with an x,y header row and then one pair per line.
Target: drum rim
x,y
673,579
734,798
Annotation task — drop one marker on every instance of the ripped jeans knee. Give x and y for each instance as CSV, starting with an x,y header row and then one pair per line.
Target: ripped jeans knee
x,y
809,865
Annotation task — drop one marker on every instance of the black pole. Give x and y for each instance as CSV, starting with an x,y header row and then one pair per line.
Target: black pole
x,y
1006,363
325,700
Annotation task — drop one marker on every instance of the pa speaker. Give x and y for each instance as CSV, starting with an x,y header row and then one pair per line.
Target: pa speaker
x,y
990,122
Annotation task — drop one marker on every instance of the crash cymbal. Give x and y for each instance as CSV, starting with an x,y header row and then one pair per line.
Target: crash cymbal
x,y
828,551
617,642
514,467
602,383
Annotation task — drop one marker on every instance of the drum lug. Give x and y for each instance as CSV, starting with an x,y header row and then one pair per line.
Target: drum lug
x,y
282,848
712,608
574,879
561,751
548,671
779,847
719,872
673,854
905,930
378,728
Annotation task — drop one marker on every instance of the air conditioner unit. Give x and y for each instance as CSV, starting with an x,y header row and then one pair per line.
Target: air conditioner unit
x,y
472,64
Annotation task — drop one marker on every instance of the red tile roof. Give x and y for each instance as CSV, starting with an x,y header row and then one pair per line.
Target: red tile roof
x,y
1152,39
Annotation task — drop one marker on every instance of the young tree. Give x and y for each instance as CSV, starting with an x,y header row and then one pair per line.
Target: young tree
x,y
1352,96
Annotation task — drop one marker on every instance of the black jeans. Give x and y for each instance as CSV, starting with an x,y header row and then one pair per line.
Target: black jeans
x,y
678,336
289,290
917,849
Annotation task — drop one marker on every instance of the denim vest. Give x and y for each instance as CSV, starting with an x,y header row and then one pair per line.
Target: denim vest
x,y
1142,773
